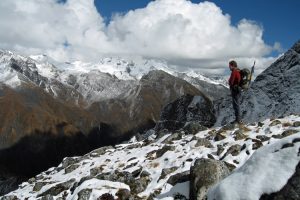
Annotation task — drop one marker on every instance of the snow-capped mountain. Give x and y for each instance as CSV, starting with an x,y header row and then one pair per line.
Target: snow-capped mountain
x,y
163,166
106,79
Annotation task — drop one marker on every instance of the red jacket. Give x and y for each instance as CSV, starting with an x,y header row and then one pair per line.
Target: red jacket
x,y
235,78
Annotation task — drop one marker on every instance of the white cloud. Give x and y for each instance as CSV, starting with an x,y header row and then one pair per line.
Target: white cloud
x,y
181,32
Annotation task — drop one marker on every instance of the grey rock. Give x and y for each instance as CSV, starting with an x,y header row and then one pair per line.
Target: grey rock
x,y
233,150
296,124
134,146
167,171
203,142
71,168
186,109
204,174
84,194
69,161
260,124
31,180
137,172
96,170
289,132
263,138
47,197
193,128
256,144
174,136
38,186
275,122
220,149
238,135
179,178
219,137
162,151
145,174
123,194
211,134
57,189
277,136
136,185
100,151
10,197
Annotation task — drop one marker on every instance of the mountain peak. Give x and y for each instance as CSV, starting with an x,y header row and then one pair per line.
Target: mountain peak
x,y
296,47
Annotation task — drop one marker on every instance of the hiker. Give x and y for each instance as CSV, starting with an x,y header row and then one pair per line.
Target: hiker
x,y
234,82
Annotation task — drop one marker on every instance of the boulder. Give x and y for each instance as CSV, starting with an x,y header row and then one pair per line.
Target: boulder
x,y
174,136
167,171
57,189
263,138
47,197
233,150
204,174
84,194
289,132
38,186
296,124
179,178
203,142
193,128
275,122
219,136
162,151
10,197
71,168
256,144
238,135
220,149
136,185
123,194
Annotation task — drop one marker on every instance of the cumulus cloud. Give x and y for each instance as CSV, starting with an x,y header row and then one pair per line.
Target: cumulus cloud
x,y
183,33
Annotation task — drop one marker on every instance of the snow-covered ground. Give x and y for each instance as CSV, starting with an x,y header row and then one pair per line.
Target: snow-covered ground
x,y
257,171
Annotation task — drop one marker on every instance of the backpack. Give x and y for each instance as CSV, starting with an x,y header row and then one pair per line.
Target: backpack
x,y
245,78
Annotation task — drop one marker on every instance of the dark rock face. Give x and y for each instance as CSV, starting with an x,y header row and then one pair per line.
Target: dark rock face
x,y
274,93
185,109
204,174
290,191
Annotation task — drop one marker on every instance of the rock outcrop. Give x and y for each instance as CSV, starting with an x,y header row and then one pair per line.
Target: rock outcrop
x,y
188,108
204,174
274,93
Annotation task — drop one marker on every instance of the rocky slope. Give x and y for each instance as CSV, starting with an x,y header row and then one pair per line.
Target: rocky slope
x,y
274,93
166,164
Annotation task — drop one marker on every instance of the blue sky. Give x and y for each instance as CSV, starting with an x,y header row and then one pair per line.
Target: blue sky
x,y
279,18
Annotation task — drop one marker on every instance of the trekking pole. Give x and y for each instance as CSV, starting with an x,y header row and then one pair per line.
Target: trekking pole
x,y
252,72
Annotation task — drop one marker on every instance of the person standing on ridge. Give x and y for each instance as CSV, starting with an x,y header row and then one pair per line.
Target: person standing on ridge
x,y
234,81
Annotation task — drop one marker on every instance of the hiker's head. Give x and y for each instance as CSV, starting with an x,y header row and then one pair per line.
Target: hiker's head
x,y
232,64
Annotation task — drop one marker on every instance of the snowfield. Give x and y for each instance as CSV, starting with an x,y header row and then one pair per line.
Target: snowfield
x,y
267,157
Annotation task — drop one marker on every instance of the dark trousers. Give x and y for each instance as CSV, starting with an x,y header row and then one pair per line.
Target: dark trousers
x,y
236,95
